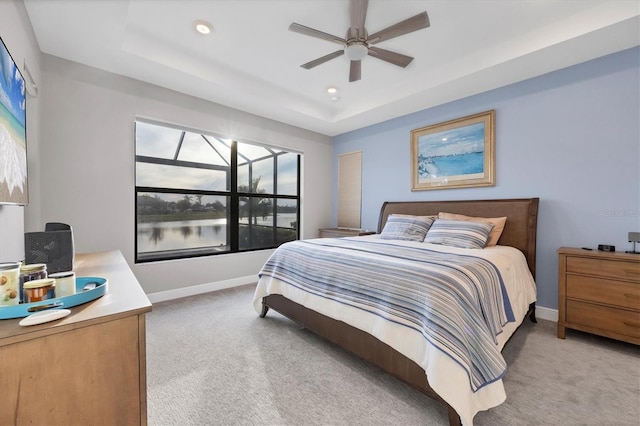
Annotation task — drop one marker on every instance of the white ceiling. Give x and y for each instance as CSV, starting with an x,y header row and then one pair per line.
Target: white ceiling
x,y
251,61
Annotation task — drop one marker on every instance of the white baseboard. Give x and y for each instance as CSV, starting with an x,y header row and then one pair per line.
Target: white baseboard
x,y
547,313
179,293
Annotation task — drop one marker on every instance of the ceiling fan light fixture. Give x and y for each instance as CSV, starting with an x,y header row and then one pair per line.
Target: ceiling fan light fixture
x,y
356,51
202,27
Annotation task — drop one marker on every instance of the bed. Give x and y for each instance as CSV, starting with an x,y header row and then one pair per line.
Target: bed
x,y
461,364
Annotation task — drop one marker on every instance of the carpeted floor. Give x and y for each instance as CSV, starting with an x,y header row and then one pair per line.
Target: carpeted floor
x,y
212,361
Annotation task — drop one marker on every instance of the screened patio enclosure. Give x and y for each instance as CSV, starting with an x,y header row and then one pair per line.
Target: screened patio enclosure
x,y
199,194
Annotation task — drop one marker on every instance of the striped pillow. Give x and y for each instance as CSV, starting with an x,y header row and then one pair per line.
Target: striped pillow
x,y
459,233
405,227
496,231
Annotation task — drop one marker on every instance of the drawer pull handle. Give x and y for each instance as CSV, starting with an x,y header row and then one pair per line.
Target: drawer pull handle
x,y
631,296
632,324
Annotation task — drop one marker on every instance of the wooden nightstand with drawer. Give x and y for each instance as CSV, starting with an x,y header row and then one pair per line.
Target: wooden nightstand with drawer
x,y
599,293
342,232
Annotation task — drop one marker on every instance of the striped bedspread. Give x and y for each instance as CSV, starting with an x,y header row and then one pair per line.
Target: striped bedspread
x,y
457,302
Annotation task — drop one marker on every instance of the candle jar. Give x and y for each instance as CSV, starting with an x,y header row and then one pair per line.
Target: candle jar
x,y
65,283
38,290
31,272
9,283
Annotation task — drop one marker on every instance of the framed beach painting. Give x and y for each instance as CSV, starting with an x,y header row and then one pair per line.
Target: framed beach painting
x,y
456,154
13,136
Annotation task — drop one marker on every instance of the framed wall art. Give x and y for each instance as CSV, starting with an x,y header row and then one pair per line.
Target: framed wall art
x,y
13,133
455,154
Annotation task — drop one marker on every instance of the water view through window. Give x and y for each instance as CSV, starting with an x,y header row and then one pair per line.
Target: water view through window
x,y
190,201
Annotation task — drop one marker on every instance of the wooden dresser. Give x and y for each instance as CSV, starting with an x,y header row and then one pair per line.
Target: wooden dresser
x,y
343,232
88,368
599,293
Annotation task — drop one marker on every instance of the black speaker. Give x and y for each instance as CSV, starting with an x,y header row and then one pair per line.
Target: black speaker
x,y
54,247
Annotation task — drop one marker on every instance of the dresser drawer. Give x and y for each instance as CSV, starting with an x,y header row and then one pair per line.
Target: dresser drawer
x,y
614,320
602,290
604,268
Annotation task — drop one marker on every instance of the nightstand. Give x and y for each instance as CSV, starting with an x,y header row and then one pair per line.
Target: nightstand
x,y
599,293
343,232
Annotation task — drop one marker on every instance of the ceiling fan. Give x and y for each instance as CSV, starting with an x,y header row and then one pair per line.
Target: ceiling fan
x,y
357,43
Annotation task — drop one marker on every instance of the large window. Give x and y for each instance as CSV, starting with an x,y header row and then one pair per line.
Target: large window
x,y
199,194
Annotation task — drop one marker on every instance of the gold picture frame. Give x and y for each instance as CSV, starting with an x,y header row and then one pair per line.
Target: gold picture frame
x,y
458,153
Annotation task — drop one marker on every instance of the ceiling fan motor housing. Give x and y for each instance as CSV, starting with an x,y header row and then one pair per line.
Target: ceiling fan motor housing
x,y
356,47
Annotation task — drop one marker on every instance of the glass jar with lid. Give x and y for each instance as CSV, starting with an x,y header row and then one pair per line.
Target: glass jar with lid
x,y
31,272
39,290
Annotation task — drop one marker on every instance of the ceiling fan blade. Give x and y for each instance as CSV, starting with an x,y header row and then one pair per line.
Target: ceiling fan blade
x,y
322,59
412,24
355,71
389,56
358,12
297,28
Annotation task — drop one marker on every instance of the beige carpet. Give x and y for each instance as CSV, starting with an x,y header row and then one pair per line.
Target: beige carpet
x,y
212,361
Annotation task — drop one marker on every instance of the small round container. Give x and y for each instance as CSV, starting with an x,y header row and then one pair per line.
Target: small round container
x,y
38,290
65,283
34,271
9,283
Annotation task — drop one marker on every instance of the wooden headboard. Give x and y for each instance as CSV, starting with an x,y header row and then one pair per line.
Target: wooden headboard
x,y
519,231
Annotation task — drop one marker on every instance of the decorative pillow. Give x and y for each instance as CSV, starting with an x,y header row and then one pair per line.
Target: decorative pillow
x,y
459,233
494,235
405,227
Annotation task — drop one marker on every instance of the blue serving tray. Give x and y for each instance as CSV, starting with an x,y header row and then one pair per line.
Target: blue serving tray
x,y
81,296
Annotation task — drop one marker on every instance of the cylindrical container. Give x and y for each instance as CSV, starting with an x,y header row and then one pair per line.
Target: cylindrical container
x,y
65,283
38,290
34,271
9,283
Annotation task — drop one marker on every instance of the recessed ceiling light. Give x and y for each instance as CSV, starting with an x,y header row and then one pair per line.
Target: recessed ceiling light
x,y
333,93
202,27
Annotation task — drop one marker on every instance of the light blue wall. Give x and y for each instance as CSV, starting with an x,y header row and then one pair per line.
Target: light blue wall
x,y
571,138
